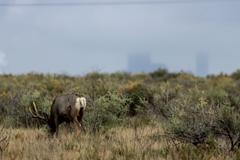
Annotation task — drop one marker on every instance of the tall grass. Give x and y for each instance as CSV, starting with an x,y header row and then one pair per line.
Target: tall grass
x,y
145,143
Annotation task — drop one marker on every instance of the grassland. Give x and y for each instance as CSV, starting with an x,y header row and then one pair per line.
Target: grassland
x,y
117,143
153,116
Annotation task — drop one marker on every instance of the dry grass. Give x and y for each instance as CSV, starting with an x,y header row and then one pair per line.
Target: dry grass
x,y
118,143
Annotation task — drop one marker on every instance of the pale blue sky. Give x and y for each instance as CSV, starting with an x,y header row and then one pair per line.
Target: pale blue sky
x,y
78,40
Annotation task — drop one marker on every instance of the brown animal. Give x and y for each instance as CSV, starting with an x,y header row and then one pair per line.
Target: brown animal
x,y
66,108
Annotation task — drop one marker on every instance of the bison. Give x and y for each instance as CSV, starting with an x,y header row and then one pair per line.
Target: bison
x,y
66,108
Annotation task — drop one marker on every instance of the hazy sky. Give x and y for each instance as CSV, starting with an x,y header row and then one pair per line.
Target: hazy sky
x,y
81,39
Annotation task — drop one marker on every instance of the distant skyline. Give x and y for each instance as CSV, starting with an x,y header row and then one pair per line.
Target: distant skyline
x,y
202,64
78,40
142,62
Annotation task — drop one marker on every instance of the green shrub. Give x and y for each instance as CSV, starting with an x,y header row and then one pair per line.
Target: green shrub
x,y
236,75
192,119
136,92
161,99
108,110
228,125
162,74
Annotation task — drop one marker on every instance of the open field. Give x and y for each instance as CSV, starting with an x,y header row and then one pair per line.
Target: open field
x,y
159,115
117,143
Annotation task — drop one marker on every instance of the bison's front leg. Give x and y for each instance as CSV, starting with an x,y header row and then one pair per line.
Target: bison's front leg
x,y
53,125
57,126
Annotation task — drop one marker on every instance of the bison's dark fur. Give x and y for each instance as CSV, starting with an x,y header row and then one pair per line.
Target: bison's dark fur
x,y
66,108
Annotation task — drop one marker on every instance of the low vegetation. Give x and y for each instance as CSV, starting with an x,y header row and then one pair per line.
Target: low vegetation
x,y
159,115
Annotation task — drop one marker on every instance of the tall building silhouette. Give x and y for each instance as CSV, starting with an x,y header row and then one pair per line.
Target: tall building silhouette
x,y
3,62
142,63
202,64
